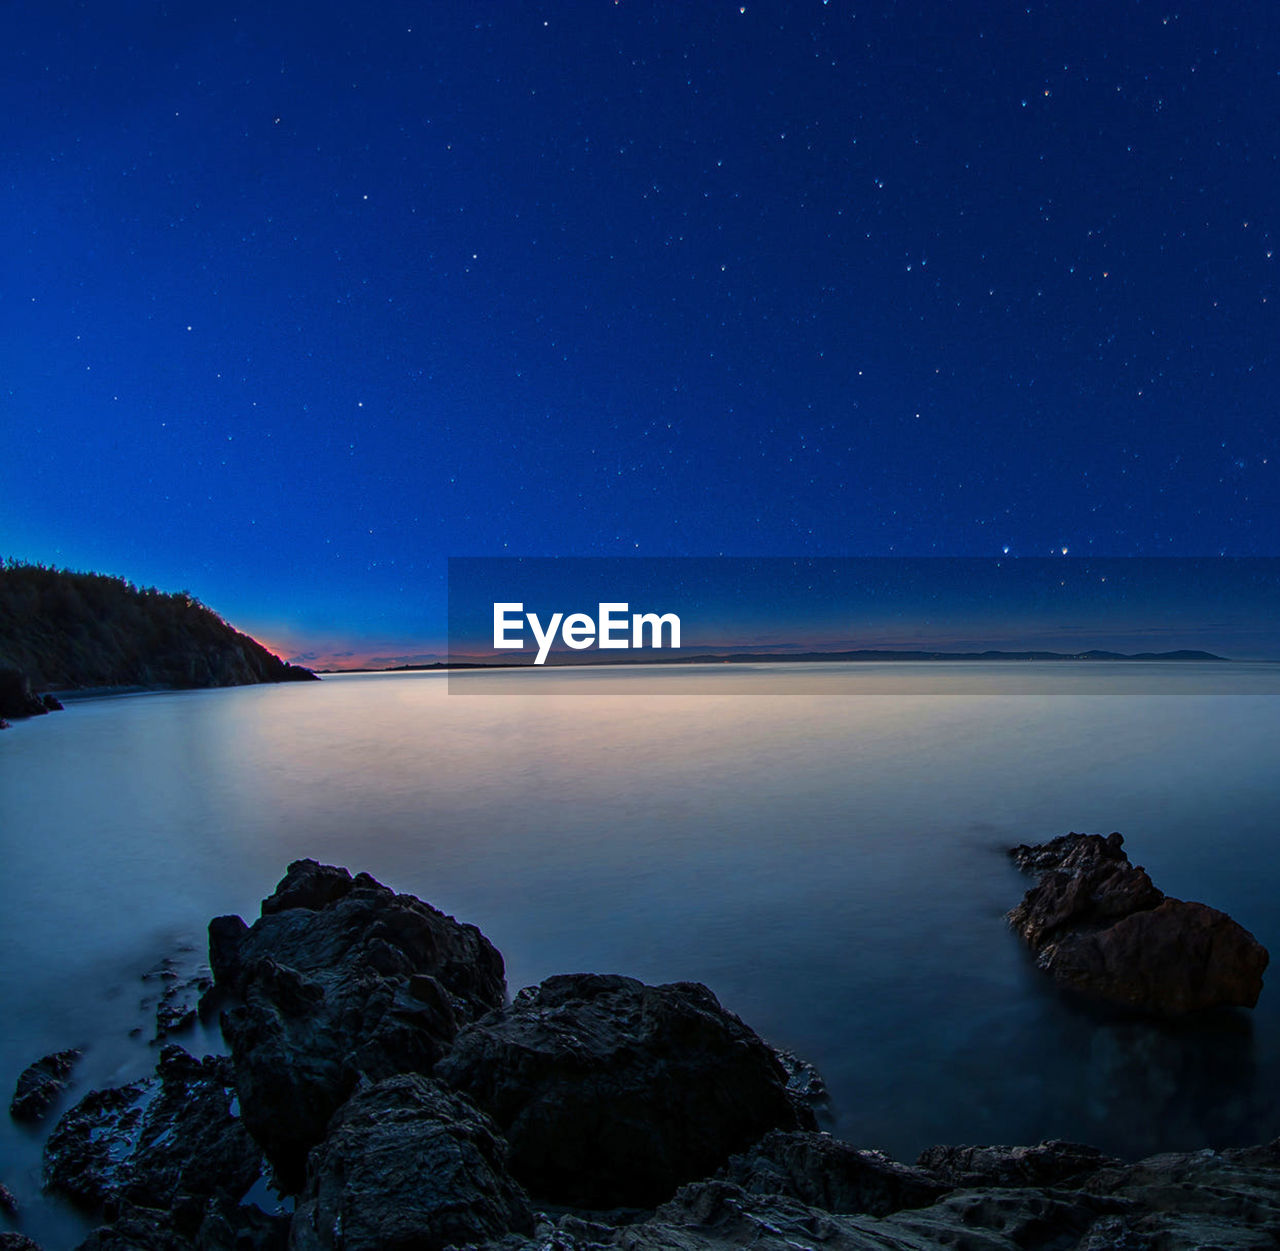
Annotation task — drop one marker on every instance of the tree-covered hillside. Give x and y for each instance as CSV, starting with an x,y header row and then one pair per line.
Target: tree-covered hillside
x,y
64,630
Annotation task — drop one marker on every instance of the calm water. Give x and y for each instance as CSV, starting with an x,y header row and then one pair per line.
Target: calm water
x,y
830,863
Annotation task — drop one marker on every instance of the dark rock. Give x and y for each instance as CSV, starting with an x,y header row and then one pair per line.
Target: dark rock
x,y
184,987
8,1204
41,1083
826,1173
1051,1163
1198,1199
309,884
804,1083
340,978
51,703
716,1216
83,1156
407,1164
1099,926
612,1093
225,1227
171,1144
10,1241
228,1227
17,699
137,1230
225,936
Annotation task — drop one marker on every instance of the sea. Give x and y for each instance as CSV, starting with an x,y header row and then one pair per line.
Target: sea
x,y
824,846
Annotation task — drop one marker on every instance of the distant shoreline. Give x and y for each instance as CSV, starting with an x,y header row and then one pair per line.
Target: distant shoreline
x,y
862,656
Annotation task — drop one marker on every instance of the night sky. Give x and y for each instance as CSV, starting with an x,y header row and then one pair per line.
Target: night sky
x,y
300,300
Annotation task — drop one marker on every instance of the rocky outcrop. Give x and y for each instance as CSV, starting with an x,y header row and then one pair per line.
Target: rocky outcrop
x,y
40,1084
1098,925
18,699
588,1092
340,979
172,1143
826,1173
1051,1163
408,1164
613,1093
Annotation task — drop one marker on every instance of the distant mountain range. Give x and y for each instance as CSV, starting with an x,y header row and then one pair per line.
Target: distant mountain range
x,y
563,659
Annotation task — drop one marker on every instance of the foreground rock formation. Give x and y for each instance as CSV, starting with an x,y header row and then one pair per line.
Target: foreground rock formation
x,y
340,980
611,1093
1098,925
379,1078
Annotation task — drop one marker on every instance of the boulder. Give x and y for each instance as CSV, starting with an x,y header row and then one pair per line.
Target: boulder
x,y
340,979
1050,1163
1098,925
407,1163
171,1143
613,1093
826,1173
40,1084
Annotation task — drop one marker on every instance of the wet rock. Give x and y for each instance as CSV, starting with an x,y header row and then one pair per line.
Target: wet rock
x,y
10,1241
51,703
41,1083
408,1164
84,1154
340,979
612,1093
804,1083
171,1143
8,1204
1050,1163
182,989
1099,926
225,1227
826,1173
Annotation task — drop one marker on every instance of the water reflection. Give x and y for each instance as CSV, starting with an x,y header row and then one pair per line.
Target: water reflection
x,y
832,866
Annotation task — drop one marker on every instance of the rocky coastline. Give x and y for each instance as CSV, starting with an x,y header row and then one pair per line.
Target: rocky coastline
x,y
382,1091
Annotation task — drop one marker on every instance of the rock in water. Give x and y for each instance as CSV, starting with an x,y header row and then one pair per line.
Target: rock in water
x,y
1098,925
40,1084
613,1093
17,699
340,978
407,1163
170,1144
